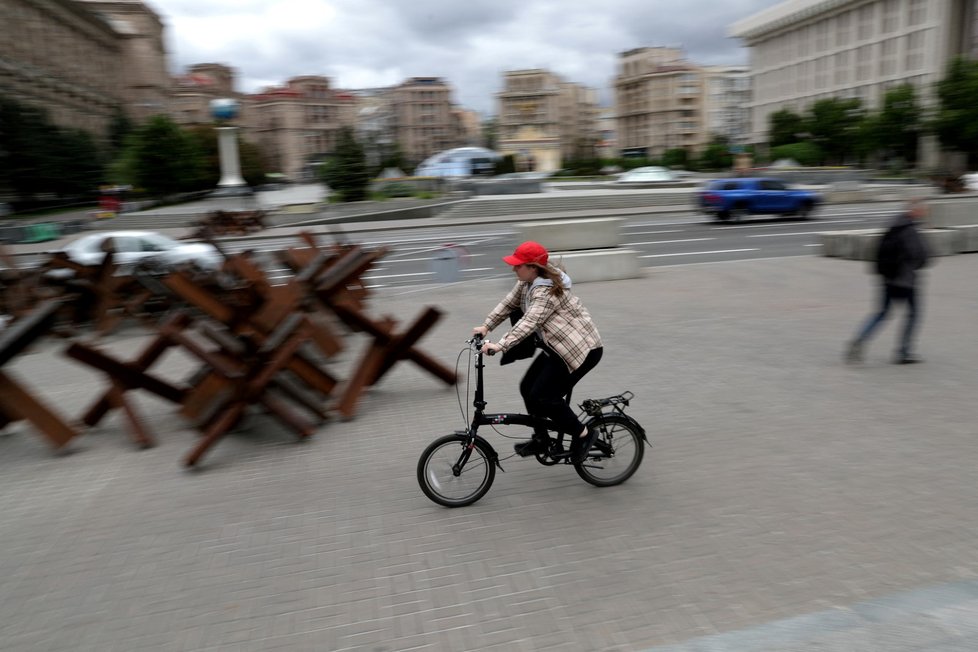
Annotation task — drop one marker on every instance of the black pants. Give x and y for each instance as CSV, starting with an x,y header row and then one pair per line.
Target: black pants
x,y
546,385
888,297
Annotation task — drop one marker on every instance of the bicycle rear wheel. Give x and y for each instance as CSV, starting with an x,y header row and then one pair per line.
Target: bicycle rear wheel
x,y
616,454
453,473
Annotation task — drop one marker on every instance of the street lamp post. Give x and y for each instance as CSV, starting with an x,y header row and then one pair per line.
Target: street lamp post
x,y
224,110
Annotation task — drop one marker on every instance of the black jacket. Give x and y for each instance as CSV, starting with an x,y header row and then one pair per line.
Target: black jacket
x,y
913,252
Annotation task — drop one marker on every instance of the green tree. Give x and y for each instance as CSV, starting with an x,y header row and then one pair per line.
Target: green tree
x,y
504,165
807,153
716,155
166,159
956,122
899,123
119,129
345,173
832,124
677,157
38,158
490,133
785,127
393,157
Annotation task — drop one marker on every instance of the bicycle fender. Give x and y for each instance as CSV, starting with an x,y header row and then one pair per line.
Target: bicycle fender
x,y
638,426
631,422
493,455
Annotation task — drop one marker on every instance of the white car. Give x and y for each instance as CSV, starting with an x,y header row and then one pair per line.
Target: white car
x,y
132,247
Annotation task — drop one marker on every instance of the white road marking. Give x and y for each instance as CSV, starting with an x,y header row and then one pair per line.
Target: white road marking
x,y
698,253
776,235
655,242
656,232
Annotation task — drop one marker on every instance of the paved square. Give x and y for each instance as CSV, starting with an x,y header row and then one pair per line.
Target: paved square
x,y
788,502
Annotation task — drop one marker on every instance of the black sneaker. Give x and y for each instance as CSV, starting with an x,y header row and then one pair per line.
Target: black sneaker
x,y
854,354
531,447
907,359
582,445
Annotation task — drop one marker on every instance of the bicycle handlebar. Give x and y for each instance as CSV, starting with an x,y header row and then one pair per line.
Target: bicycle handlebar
x,y
476,343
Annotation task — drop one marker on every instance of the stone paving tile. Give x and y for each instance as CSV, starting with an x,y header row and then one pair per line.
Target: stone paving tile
x,y
780,483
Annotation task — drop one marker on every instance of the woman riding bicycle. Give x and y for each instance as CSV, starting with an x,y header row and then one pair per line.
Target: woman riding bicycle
x,y
569,344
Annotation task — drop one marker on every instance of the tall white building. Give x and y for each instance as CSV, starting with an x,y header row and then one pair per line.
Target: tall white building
x,y
805,50
728,96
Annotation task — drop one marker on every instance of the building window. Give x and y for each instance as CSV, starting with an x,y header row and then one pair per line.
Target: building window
x,y
842,22
917,13
915,50
822,37
864,57
891,16
866,17
842,68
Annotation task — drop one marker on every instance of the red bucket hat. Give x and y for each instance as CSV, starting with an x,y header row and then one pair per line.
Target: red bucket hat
x,y
528,253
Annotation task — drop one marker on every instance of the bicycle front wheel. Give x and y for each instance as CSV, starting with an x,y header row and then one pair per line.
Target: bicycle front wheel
x,y
616,454
454,473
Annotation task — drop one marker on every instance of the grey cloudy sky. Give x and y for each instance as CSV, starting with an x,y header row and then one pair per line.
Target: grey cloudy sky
x,y
367,43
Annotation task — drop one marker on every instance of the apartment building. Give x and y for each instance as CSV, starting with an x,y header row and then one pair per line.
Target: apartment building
x,y
142,67
544,119
805,50
191,93
298,124
72,59
423,119
728,95
662,102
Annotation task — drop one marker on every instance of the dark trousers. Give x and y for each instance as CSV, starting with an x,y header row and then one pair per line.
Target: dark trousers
x,y
889,295
546,385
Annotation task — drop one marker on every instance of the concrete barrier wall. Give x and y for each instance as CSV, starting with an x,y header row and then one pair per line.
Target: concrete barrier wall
x,y
569,235
586,248
953,212
599,265
862,244
965,238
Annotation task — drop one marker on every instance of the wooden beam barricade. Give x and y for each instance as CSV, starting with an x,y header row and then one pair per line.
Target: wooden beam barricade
x,y
16,402
124,377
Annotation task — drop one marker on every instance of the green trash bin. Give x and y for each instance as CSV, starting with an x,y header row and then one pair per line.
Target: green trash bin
x,y
41,232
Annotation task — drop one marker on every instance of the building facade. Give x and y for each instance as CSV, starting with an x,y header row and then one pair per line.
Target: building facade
x,y
543,119
192,92
142,68
728,96
662,102
297,125
805,50
423,119
62,58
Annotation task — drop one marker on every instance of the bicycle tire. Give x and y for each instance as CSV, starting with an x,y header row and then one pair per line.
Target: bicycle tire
x,y
627,444
439,482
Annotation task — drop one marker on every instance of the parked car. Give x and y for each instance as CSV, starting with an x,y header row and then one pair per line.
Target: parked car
x,y
646,174
136,247
735,199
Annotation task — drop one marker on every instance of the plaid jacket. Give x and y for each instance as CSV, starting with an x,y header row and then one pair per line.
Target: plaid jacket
x,y
563,322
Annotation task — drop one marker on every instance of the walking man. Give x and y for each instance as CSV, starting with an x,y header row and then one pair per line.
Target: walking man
x,y
901,253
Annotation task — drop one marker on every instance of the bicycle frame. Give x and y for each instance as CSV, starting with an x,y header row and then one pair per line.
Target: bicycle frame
x,y
603,416
483,418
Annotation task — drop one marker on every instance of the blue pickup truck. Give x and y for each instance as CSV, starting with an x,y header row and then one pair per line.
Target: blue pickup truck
x,y
734,199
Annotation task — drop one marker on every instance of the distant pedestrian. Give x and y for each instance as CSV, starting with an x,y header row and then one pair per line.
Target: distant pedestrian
x,y
900,254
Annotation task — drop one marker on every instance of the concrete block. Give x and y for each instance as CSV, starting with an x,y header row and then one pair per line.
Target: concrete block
x,y
569,235
953,212
965,238
941,242
851,245
862,244
599,264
